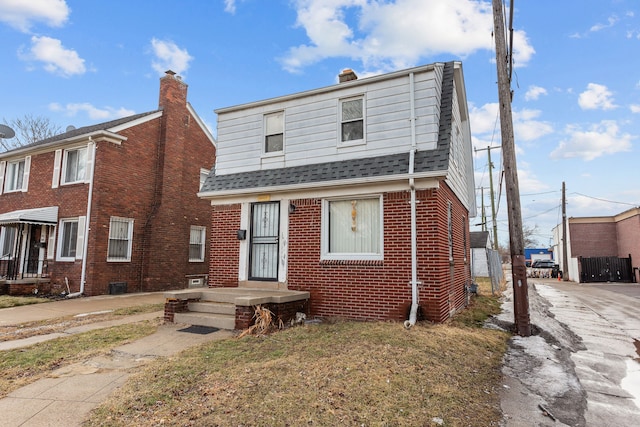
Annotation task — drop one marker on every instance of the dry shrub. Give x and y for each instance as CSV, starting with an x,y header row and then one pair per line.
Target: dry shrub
x,y
264,323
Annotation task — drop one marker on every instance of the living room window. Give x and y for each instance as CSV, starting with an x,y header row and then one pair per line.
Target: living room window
x,y
69,248
352,120
74,165
197,237
274,132
120,239
352,229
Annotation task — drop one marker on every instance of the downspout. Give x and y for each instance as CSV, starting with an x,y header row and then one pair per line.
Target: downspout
x,y
413,315
83,275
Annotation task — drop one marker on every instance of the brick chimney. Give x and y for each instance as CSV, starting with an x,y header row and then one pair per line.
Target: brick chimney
x,y
173,91
347,75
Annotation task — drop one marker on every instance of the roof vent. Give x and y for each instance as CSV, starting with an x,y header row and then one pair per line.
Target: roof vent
x,y
347,75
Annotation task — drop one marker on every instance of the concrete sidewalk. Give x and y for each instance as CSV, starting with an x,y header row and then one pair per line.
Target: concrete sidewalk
x,y
67,395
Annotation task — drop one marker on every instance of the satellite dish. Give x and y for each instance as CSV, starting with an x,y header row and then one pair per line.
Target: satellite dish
x,y
6,132
70,128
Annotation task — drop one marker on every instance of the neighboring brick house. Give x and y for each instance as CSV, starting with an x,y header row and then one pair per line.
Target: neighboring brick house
x,y
109,208
359,193
605,238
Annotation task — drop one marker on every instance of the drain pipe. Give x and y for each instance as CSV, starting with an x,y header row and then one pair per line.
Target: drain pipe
x,y
413,315
91,151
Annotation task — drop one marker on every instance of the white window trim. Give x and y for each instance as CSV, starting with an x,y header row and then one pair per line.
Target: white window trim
x,y
129,239
353,142
278,153
79,239
3,237
203,236
324,238
26,169
63,168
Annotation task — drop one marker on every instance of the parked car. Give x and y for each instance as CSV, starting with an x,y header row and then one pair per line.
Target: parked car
x,y
543,263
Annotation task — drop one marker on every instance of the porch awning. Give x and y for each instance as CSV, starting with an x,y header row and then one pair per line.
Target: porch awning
x,y
47,215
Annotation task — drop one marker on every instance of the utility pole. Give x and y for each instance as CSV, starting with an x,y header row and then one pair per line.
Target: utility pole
x,y
565,260
493,203
516,238
484,216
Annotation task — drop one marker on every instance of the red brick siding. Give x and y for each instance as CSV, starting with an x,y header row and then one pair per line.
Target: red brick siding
x,y
381,290
224,246
628,231
593,239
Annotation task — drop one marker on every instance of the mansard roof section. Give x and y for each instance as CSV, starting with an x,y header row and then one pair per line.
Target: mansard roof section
x,y
112,126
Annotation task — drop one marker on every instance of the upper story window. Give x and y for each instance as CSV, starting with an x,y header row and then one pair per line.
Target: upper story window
x,y
352,120
74,165
274,132
352,229
15,175
120,239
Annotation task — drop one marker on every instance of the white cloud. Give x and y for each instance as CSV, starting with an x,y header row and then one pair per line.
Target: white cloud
x,y
526,126
92,112
230,6
611,21
534,92
635,108
56,58
599,140
168,56
596,97
22,14
387,35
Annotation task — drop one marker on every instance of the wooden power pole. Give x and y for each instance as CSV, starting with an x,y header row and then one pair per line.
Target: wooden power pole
x,y
493,203
565,258
516,237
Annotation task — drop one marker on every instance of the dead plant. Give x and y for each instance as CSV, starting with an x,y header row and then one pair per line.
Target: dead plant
x,y
264,323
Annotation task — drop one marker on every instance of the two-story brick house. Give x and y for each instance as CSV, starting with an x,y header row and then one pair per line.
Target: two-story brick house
x,y
111,207
359,193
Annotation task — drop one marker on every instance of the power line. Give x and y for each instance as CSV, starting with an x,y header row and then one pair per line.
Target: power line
x,y
605,200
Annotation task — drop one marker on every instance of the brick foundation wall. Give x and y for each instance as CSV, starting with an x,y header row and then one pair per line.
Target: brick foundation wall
x,y
173,306
284,312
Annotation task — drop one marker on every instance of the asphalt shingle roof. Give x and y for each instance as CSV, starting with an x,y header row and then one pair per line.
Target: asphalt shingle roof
x,y
397,164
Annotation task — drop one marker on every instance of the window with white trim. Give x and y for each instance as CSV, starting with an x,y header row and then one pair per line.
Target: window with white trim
x,y
74,165
274,132
352,120
68,240
197,238
120,239
7,241
15,176
352,229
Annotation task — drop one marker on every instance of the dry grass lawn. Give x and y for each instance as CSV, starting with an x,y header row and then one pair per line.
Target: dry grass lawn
x,y
341,373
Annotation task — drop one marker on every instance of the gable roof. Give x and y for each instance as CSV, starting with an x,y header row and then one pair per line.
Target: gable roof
x,y
79,132
426,162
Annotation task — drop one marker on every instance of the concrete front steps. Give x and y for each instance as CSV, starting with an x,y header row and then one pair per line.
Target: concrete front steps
x,y
230,308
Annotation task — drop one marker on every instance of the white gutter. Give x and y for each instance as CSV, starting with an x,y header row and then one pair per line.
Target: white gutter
x,y
413,315
92,150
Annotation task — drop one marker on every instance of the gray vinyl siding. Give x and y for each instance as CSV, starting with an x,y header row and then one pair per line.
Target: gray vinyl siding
x,y
312,126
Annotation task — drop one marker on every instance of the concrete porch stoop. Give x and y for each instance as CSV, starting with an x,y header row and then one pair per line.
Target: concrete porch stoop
x,y
231,308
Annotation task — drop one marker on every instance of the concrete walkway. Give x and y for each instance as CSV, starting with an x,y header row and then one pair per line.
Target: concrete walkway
x,y
66,396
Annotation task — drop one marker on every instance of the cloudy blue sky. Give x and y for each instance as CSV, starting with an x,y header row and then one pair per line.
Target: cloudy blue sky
x,y
576,82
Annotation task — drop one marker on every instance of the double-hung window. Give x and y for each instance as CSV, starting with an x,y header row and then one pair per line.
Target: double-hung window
x,y
7,242
68,248
352,120
15,176
74,165
352,229
274,132
196,243
120,239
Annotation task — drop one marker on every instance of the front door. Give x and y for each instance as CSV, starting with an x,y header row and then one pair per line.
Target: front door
x,y
263,253
34,250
